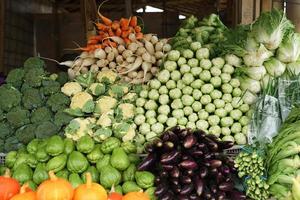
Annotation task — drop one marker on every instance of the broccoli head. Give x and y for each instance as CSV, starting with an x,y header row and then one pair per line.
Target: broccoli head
x,y
26,133
58,101
45,130
5,130
18,117
12,144
15,77
34,63
2,116
9,97
41,114
33,77
50,87
61,118
62,78
1,147
32,98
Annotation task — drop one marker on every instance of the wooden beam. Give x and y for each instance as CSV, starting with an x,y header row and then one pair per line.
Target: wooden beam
x,y
257,8
278,4
128,8
89,14
2,19
266,5
247,11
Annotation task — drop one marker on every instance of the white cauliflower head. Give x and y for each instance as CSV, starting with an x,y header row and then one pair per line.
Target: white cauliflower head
x,y
105,119
80,99
71,88
127,110
79,127
105,104
107,75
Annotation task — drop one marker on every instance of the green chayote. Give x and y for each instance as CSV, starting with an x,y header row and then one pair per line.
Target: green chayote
x,y
95,154
69,145
129,147
64,174
75,180
110,144
85,144
23,173
40,174
102,134
119,159
144,179
77,163
151,193
32,146
32,161
118,189
103,162
129,173
10,159
41,155
21,159
32,185
94,173
134,158
55,145
109,176
57,163
130,186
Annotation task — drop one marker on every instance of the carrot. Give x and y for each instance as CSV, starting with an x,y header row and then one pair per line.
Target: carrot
x,y
118,32
125,34
124,24
115,25
133,21
110,32
126,40
92,41
105,20
101,26
137,29
95,37
139,36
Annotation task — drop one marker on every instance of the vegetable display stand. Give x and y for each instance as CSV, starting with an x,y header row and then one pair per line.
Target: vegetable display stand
x,y
2,158
233,151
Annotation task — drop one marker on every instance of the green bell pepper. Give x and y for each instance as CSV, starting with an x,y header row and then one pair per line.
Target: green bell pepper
x,y
85,144
57,163
110,144
77,163
55,145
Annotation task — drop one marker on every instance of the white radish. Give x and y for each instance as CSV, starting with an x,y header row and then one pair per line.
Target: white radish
x,y
149,47
154,39
112,65
78,62
140,75
107,49
94,68
140,51
159,46
146,66
147,77
115,51
130,59
88,62
105,69
68,63
102,63
146,57
99,53
127,53
136,81
117,40
132,37
121,48
132,74
84,54
110,56
127,79
133,47
153,59
159,54
147,37
71,74
84,70
137,63
154,70
119,59
167,48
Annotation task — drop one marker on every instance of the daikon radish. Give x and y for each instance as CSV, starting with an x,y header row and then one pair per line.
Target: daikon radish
x,y
146,66
146,57
110,56
140,51
71,74
149,47
137,63
119,59
154,39
94,68
127,53
121,48
159,46
130,59
99,53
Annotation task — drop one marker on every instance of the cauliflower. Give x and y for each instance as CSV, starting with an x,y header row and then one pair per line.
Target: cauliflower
x,y
127,110
129,97
97,89
79,127
71,88
107,76
104,104
130,134
118,90
82,101
105,119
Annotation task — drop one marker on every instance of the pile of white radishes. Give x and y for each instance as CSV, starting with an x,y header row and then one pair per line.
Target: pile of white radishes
x,y
136,62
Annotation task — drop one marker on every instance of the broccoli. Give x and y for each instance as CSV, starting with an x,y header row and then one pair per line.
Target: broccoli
x,y
32,98
18,117
61,118
58,101
26,133
34,63
45,130
12,144
33,77
1,147
41,114
15,77
5,130
9,97
2,116
62,78
50,87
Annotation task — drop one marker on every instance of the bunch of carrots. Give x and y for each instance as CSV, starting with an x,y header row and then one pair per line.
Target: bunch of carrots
x,y
111,33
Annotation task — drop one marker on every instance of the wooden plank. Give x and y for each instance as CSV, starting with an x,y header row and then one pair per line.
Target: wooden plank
x,y
89,14
266,5
247,11
278,4
257,5
128,8
2,19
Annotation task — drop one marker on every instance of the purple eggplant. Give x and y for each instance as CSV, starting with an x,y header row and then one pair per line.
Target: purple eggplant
x,y
197,154
176,189
214,163
194,197
185,179
200,134
186,189
174,181
175,129
201,146
203,172
237,195
199,185
183,133
221,195
207,194
157,180
170,157
168,167
186,157
225,169
175,173
188,164
189,141
212,145
213,188
164,174
167,196
161,189
190,172
148,162
225,186
183,197
168,146
213,172
226,144
219,177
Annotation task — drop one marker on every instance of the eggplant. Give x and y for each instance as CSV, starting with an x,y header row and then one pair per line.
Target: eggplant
x,y
166,136
150,148
176,189
175,129
237,195
168,146
189,141
199,185
225,186
186,157
183,133
183,197
185,179
161,189
164,174
225,144
214,163
213,188
170,157
200,134
225,169
175,173
197,154
168,167
188,164
167,196
157,180
190,172
207,194
187,189
201,146
221,195
220,177
212,145
203,172
194,197
148,162
175,181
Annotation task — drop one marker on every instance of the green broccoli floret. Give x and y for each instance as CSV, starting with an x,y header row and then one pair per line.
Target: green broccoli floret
x,y
9,97
58,101
12,144
18,117
1,146
34,63
62,78
50,87
33,77
2,116
26,133
32,98
15,77
41,114
5,130
61,118
45,130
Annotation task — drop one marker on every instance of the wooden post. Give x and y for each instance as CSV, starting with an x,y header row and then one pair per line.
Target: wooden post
x,y
247,11
128,8
56,30
257,9
266,5
2,15
89,15
278,4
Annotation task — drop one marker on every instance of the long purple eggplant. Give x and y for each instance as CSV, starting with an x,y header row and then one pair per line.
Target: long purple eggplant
x,y
167,167
175,173
190,172
183,197
226,186
176,189
212,145
168,146
161,189
174,181
194,197
188,164
199,185
189,141
221,195
225,144
187,189
185,180
170,157
237,195
203,172
214,163
148,162
167,196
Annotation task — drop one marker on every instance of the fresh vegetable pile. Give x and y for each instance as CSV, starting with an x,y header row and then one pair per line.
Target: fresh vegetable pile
x,y
190,165
31,105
